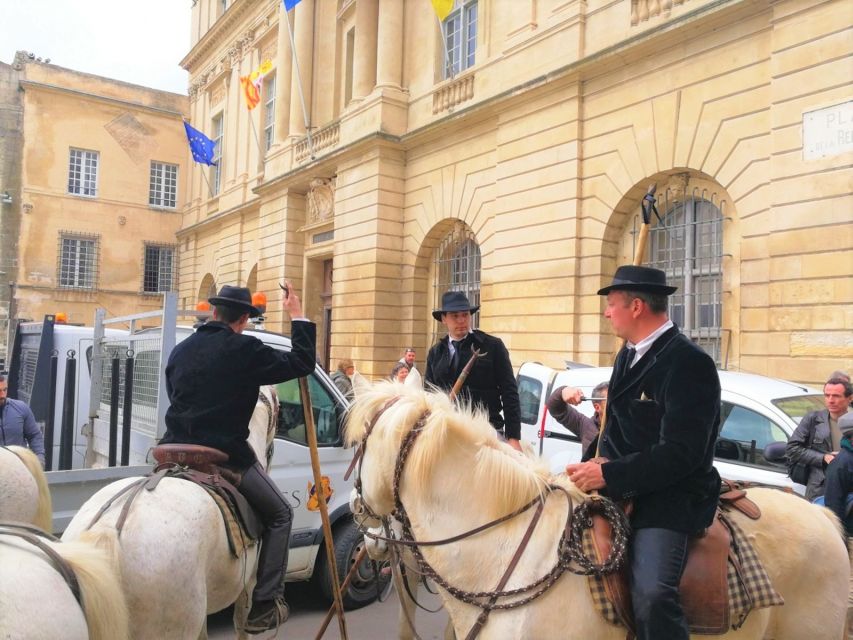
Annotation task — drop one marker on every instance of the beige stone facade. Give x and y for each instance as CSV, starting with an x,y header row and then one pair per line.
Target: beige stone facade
x,y
101,188
532,163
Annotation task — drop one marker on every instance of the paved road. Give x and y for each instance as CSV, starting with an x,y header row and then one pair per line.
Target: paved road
x,y
377,621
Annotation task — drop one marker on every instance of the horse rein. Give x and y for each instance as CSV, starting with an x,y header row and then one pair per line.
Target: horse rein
x,y
35,536
569,548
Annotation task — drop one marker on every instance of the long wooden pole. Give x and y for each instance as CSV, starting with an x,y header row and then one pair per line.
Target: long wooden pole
x,y
311,432
358,559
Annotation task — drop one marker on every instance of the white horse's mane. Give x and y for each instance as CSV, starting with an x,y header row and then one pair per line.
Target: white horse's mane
x,y
513,480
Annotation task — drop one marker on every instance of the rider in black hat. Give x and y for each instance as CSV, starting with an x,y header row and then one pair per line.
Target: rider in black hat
x,y
491,382
213,379
657,447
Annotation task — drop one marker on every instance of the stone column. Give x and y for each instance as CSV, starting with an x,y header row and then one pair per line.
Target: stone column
x,y
389,45
283,78
364,64
304,37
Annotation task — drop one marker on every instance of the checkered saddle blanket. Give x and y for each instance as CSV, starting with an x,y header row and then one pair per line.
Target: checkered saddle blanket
x,y
747,583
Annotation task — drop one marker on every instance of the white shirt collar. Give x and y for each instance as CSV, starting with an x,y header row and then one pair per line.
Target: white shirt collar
x,y
450,343
646,343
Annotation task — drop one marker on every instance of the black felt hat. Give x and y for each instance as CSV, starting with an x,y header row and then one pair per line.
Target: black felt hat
x,y
453,301
236,298
631,278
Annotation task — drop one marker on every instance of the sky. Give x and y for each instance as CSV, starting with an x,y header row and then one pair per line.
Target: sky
x,y
137,41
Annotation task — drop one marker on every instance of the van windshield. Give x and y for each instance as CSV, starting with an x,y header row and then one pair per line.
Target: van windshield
x,y
796,407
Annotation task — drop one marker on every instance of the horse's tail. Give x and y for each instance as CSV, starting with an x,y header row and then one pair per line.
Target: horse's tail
x,y
93,560
44,512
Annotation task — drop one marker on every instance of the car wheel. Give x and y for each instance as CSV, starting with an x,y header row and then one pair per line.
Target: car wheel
x,y
364,587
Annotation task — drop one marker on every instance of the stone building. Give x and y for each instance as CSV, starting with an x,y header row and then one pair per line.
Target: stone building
x,y
505,152
94,172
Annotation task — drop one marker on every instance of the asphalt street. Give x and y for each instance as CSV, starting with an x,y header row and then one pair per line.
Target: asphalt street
x,y
377,621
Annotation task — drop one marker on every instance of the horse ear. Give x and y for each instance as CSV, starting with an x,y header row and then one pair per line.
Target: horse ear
x,y
359,383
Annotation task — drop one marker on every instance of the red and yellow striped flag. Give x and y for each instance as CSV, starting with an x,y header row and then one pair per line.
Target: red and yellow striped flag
x,y
251,84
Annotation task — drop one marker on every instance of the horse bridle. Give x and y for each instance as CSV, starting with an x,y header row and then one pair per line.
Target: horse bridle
x,y
569,548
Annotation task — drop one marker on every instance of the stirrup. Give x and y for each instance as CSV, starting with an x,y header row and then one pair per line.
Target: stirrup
x,y
269,620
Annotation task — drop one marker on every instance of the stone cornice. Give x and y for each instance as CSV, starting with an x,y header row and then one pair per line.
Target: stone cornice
x,y
25,84
217,33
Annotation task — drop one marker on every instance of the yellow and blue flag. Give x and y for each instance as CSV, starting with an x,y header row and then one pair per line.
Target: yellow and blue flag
x,y
200,145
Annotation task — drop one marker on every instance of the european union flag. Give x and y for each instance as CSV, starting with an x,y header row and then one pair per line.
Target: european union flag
x,y
200,145
289,4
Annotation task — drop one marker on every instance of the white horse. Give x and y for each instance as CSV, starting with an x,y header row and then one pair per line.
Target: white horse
x,y
25,494
37,603
458,476
176,566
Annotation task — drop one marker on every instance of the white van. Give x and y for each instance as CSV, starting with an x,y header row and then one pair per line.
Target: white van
x,y
290,467
755,411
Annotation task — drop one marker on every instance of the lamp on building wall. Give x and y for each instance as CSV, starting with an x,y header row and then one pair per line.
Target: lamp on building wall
x,y
6,198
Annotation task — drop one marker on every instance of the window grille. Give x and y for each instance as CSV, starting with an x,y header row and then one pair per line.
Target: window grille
x,y
460,37
457,268
159,270
163,187
78,261
687,244
269,112
216,170
83,173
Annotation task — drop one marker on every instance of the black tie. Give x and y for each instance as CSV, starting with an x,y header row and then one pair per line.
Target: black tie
x,y
457,356
629,358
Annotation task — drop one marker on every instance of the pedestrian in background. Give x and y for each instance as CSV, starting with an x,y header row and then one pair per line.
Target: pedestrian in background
x,y
560,407
817,439
342,377
18,424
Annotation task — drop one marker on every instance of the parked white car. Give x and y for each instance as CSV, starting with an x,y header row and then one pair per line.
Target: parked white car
x,y
755,411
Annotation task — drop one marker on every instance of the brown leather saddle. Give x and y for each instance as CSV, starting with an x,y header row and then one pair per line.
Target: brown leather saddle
x,y
704,588
206,467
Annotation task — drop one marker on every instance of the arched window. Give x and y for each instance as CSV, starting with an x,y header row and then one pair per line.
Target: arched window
x,y
457,268
688,245
207,288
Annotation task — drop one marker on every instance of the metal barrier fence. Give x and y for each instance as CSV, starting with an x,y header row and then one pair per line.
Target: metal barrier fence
x,y
145,351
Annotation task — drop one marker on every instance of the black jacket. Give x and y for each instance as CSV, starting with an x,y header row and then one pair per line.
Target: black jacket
x,y
213,379
490,384
814,429
663,418
839,483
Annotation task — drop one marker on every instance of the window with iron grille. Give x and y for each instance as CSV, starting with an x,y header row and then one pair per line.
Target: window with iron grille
x,y
460,37
688,246
269,111
159,269
83,173
218,129
163,187
457,268
78,261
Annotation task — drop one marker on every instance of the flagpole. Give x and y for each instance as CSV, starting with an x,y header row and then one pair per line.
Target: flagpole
x,y
447,66
299,85
257,139
209,188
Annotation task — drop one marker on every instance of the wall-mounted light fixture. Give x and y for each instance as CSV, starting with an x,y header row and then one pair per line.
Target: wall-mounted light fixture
x,y
27,207
6,198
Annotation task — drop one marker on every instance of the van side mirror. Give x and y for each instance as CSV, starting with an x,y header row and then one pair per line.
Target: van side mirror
x,y
727,449
775,452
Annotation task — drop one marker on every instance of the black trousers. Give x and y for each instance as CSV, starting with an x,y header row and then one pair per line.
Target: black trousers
x,y
277,516
658,557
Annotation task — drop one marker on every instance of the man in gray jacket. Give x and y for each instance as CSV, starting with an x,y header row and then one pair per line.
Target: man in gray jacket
x,y
817,439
